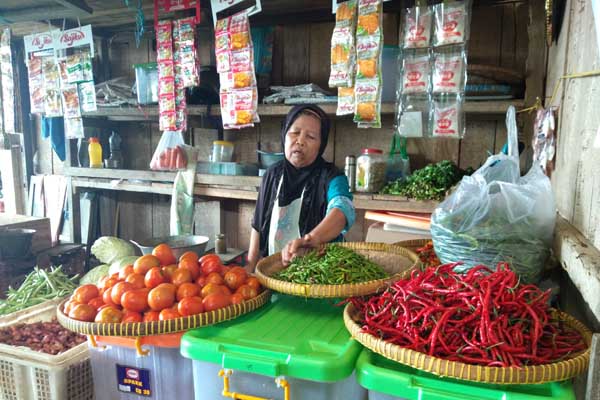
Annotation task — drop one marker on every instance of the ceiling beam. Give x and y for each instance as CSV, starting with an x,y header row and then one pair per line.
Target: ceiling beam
x,y
38,14
76,5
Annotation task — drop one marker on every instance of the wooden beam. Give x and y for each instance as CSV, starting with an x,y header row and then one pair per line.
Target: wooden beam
x,y
38,14
76,5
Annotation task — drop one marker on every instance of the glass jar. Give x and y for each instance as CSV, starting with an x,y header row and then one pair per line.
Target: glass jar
x,y
370,171
220,244
95,153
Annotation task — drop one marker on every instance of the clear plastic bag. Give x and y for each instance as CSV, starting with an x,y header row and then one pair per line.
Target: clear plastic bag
x,y
413,116
170,153
398,163
496,215
448,118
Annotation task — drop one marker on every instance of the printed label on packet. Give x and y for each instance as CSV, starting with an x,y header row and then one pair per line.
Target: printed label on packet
x,y
223,61
450,24
415,75
447,74
417,27
241,60
345,104
445,121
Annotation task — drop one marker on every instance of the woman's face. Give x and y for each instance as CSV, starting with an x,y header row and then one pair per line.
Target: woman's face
x,y
303,140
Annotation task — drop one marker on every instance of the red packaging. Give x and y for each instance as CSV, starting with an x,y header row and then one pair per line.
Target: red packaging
x,y
415,75
446,121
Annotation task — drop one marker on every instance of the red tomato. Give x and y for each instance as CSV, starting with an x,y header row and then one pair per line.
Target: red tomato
x,y
210,288
107,298
210,256
225,290
131,316
117,291
211,266
190,306
235,278
126,271
168,313
247,291
180,276
201,281
144,263
237,298
96,302
83,312
215,301
253,281
215,277
85,293
187,289
69,305
137,280
135,300
189,255
161,297
168,271
191,265
109,315
154,277
164,253
150,316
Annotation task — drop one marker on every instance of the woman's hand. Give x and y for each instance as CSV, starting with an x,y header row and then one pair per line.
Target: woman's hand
x,y
297,247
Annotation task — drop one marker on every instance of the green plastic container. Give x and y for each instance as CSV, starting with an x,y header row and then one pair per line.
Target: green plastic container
x,y
386,380
303,340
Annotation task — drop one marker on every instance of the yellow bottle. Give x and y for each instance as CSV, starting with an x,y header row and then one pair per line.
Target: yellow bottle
x,y
95,153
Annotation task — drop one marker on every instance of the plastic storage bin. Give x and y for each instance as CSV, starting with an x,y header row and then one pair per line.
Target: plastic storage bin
x,y
303,341
146,82
26,374
226,168
388,380
119,373
222,151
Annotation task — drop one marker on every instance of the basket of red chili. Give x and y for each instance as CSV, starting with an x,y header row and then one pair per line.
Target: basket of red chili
x,y
482,326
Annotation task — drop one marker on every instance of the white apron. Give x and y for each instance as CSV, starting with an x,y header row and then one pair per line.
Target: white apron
x,y
284,225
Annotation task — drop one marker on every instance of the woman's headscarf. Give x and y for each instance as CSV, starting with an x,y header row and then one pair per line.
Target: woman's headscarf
x,y
295,179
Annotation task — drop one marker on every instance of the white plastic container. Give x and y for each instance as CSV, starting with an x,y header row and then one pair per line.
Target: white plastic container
x,y
27,374
164,373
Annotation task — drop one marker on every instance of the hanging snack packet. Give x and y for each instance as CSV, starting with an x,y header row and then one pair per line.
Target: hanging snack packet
x,y
369,17
450,23
448,117
238,108
87,96
345,14
62,70
345,105
164,41
415,74
70,100
412,118
86,63
449,73
417,27
368,103
52,102
368,50
36,85
342,58
166,70
50,73
74,69
186,61
74,128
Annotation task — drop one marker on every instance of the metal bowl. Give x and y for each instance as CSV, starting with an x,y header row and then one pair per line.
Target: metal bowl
x,y
179,244
267,159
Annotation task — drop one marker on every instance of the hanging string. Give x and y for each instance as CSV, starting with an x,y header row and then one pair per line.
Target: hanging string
x,y
78,22
536,106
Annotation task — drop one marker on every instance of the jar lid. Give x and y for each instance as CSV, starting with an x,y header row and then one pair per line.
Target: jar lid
x,y
94,140
371,151
223,143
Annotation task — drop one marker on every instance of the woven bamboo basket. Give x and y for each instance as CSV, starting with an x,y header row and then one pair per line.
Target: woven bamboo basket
x,y
558,371
413,245
137,329
396,261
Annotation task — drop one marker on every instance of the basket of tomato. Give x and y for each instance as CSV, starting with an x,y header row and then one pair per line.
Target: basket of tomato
x,y
159,294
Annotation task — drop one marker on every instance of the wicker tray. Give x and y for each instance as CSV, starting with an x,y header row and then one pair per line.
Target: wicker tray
x,y
137,329
397,261
413,245
557,371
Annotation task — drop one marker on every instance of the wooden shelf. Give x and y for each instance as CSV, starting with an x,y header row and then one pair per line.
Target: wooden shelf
x,y
219,186
147,113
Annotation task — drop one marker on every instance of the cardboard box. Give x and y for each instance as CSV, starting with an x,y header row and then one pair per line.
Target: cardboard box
x,y
376,233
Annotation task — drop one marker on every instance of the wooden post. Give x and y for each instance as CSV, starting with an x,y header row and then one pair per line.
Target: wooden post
x,y
592,391
11,169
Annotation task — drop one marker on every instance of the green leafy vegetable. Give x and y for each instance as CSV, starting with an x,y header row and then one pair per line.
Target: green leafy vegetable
x,y
108,249
94,275
121,263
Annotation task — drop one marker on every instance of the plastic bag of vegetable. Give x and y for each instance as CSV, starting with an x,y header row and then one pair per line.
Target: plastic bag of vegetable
x,y
496,215
108,249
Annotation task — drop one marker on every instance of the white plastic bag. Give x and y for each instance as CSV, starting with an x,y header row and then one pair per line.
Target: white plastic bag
x,y
496,215
170,154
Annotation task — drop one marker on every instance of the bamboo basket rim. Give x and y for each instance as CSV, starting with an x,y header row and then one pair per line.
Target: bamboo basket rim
x,y
344,290
139,329
557,371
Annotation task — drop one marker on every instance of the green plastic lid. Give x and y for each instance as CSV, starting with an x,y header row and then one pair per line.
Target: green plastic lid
x,y
149,65
291,336
379,374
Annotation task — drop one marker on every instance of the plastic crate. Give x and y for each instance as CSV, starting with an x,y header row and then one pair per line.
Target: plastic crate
x,y
303,341
163,373
26,374
388,380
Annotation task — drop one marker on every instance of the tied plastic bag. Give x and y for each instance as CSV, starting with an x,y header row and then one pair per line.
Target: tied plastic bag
x,y
496,215
170,153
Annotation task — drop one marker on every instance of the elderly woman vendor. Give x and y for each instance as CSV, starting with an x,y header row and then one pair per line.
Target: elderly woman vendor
x,y
304,201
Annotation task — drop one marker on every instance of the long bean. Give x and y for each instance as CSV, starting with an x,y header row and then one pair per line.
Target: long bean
x,y
39,286
333,265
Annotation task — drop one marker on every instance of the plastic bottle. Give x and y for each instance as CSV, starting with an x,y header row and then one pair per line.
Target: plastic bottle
x,y
95,153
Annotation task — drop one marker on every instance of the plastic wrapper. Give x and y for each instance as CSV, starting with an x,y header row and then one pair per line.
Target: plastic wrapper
x,y
86,62
74,67
448,117
166,69
417,27
495,215
237,80
416,73
451,23
368,103
167,120
238,108
345,105
368,53
63,74
74,128
544,139
449,73
369,17
412,119
170,153
186,62
342,57
70,100
346,14
36,85
52,102
87,96
50,73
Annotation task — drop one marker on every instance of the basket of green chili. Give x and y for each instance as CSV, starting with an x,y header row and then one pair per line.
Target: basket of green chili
x,y
338,270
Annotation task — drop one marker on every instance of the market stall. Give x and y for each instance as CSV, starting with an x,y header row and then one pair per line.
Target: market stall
x,y
149,143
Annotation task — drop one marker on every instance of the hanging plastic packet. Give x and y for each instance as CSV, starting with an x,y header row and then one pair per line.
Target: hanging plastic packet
x,y
63,74
87,96
412,118
342,58
345,104
74,128
398,163
50,73
86,63
170,153
416,72
74,68
417,27
36,84
449,72
164,41
448,117
451,23
70,100
369,17
237,108
368,53
368,103
186,61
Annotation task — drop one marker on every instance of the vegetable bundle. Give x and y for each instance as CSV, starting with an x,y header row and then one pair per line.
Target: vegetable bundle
x,y
331,265
482,318
40,285
429,183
